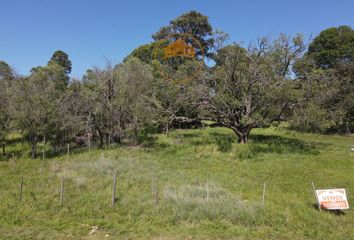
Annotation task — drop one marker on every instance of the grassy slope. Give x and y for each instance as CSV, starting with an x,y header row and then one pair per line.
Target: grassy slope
x,y
183,164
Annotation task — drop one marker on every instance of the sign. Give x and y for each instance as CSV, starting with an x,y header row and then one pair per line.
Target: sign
x,y
332,199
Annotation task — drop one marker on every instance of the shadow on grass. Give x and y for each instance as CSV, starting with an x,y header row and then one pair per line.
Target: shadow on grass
x,y
198,139
334,212
17,153
154,146
63,151
283,145
259,143
188,135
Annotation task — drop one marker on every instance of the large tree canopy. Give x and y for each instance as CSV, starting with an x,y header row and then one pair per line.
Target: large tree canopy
x,y
194,24
35,101
332,47
326,73
6,71
248,88
6,78
62,59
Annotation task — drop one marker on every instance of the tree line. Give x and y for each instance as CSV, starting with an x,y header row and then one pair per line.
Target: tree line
x,y
311,86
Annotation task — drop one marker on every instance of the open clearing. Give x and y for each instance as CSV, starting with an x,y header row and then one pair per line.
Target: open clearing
x,y
207,187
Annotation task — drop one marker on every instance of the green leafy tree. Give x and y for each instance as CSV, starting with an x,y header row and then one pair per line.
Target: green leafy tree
x,y
6,72
333,46
175,103
147,52
36,100
194,24
319,110
55,73
6,81
62,59
114,99
247,90
326,75
135,79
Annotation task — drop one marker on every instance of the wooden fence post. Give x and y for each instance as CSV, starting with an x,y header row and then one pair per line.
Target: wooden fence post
x,y
21,188
114,188
68,149
263,194
62,191
13,162
154,190
43,157
207,191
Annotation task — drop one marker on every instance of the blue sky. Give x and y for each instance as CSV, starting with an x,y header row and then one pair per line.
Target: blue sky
x,y
93,31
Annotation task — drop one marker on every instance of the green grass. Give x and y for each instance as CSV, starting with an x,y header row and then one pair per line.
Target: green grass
x,y
208,187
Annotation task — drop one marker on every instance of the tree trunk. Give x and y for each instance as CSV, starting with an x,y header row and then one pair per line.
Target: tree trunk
x,y
347,128
34,145
242,135
243,139
89,141
167,129
100,136
136,131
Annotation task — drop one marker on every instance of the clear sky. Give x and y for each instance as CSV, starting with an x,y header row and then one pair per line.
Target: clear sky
x,y
93,31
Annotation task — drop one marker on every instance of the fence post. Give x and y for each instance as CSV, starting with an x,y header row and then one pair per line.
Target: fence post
x,y
263,194
68,149
13,162
43,157
114,188
62,191
207,191
314,192
154,190
21,188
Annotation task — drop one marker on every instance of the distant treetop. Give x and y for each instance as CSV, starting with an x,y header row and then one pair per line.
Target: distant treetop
x,y
62,59
333,46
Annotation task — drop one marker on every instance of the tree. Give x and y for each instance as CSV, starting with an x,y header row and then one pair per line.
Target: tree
x,y
332,47
146,53
35,101
135,78
6,81
6,72
194,24
114,99
326,75
283,52
62,59
319,110
247,90
175,104
99,93
327,96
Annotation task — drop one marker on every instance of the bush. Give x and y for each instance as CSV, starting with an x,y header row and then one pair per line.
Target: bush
x,y
146,137
224,143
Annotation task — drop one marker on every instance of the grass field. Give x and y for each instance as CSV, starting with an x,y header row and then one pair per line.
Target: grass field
x,y
207,187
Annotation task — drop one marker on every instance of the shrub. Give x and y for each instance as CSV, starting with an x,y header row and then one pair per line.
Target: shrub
x,y
224,143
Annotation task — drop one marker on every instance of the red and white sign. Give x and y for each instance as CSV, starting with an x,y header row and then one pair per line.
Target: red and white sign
x,y
332,199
